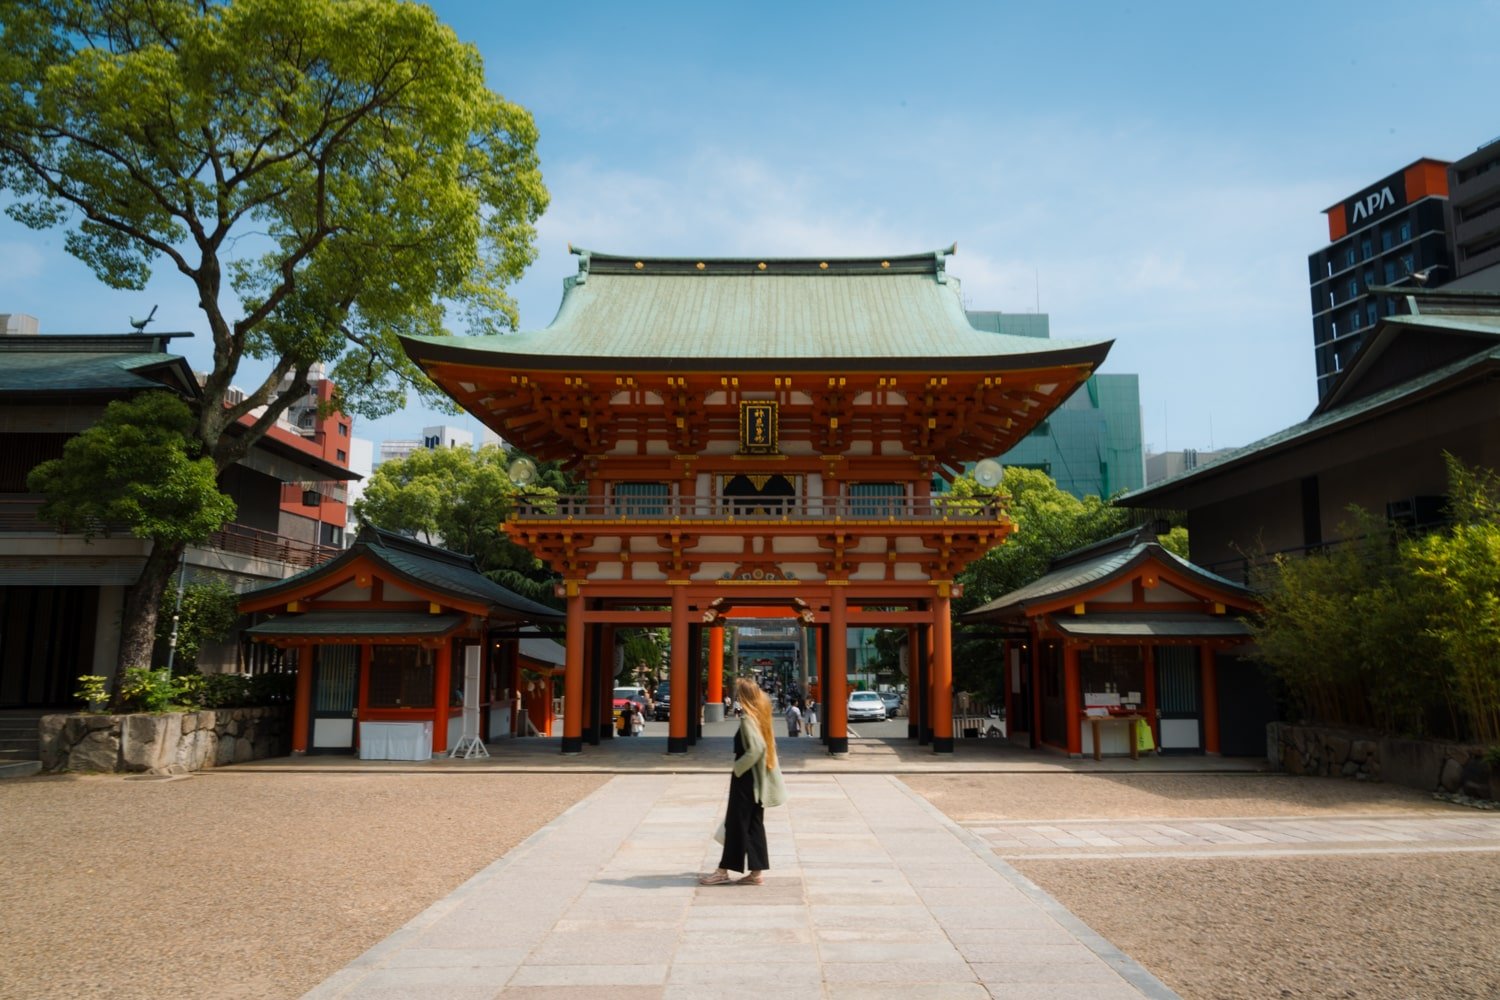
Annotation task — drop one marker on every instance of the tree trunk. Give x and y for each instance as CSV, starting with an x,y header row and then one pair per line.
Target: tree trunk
x,y
138,620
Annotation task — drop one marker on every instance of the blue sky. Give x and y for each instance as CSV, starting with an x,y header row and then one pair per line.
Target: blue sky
x,y
1151,173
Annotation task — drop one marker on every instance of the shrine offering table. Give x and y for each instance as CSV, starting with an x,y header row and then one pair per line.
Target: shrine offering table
x,y
1134,741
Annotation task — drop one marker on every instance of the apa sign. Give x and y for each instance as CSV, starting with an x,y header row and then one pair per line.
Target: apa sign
x,y
1374,202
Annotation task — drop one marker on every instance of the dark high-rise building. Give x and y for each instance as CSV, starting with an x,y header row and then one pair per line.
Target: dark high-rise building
x,y
1393,233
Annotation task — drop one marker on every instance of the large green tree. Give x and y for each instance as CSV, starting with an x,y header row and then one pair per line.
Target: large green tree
x,y
459,498
138,468
324,175
1049,522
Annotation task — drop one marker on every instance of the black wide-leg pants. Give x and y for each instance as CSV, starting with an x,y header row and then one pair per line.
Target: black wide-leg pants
x,y
744,828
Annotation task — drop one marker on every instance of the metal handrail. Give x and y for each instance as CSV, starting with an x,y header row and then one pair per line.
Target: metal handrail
x,y
18,513
598,508
242,539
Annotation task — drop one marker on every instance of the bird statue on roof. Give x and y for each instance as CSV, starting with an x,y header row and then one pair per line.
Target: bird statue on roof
x,y
140,324
1423,276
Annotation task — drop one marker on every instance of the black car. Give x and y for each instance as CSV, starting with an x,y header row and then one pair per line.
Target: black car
x,y
663,710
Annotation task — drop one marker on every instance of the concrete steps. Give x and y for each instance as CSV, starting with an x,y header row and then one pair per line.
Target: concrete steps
x,y
18,735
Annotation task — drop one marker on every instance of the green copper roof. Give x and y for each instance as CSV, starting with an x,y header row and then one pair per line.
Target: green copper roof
x,y
102,363
687,313
438,569
52,372
1084,568
353,624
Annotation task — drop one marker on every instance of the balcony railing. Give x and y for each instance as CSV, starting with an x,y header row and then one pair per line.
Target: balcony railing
x,y
310,494
18,513
755,509
247,541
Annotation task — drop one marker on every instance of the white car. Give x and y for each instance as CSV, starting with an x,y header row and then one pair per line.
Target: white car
x,y
866,706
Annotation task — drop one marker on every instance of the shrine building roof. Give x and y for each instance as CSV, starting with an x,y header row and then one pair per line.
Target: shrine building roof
x,y
748,314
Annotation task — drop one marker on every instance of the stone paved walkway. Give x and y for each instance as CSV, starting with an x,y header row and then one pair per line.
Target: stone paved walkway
x,y
1213,838
872,894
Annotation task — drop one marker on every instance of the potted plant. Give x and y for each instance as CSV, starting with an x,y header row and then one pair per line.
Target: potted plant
x,y
92,689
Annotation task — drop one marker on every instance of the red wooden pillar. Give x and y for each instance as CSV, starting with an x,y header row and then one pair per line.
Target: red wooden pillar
x,y
715,664
1072,699
942,672
572,741
677,726
817,681
836,704
442,696
302,706
1210,699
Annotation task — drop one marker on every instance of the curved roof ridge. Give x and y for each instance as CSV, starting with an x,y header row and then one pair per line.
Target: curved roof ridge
x,y
930,262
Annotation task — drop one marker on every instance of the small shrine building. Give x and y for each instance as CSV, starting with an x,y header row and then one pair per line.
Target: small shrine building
x,y
379,636
758,438
1126,631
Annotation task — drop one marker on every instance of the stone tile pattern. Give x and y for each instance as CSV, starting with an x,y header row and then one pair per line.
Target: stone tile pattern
x,y
1238,837
872,894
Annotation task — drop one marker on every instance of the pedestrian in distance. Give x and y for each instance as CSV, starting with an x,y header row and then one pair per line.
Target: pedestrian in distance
x,y
793,720
637,720
755,786
812,718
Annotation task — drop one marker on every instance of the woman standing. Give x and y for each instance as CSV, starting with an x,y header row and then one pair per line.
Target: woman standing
x,y
756,786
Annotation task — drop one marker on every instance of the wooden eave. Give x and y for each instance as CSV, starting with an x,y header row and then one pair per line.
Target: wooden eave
x,y
954,414
1140,570
565,544
365,573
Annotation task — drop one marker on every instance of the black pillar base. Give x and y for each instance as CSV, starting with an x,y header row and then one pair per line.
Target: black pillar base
x,y
942,744
677,744
913,731
572,744
838,744
926,736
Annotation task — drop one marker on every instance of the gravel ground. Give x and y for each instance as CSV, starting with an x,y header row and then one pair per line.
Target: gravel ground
x,y
979,796
238,885
259,885
1373,927
1381,927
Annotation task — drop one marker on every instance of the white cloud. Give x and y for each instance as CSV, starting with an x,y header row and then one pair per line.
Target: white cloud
x,y
1188,252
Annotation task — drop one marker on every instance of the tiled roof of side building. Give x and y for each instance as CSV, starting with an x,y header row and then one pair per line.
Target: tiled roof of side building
x,y
1465,314
439,569
1082,568
771,313
1317,426
53,373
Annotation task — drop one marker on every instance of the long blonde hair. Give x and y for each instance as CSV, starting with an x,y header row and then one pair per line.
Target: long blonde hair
x,y
758,707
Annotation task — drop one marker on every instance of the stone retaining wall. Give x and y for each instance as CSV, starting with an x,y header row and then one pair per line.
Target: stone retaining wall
x,y
1332,753
170,743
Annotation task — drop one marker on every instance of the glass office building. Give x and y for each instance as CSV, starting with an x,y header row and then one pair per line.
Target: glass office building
x,y
1091,445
